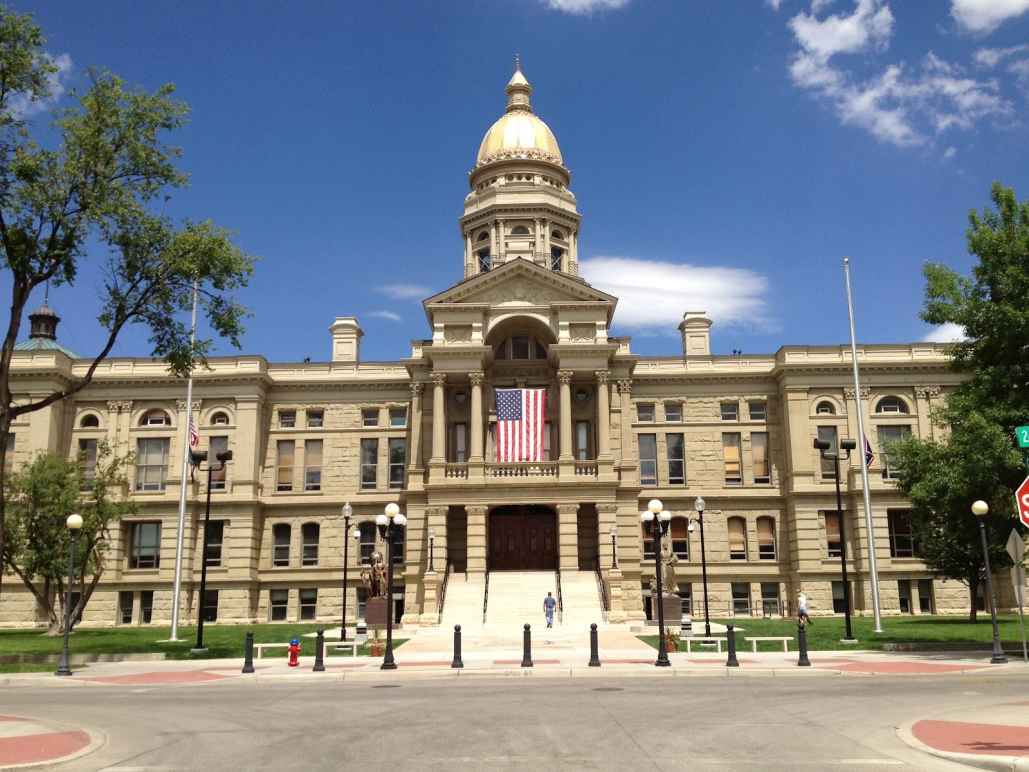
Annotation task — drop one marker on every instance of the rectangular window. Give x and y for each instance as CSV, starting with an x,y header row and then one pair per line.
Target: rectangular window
x,y
770,599
370,416
925,596
648,543
312,465
281,535
733,460
828,434
210,606
215,539
833,542
673,412
741,598
730,411
839,600
278,602
520,347
398,417
902,540
151,463
676,459
759,457
887,436
367,531
904,595
582,440
310,534
737,527
287,419
397,461
680,537
145,545
686,598
284,451
369,463
648,459
645,412
125,607
758,410
308,604
146,607
459,443
397,547
315,419
87,461
766,538
215,446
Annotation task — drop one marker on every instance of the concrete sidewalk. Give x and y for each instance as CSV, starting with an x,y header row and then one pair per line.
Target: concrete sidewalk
x,y
997,739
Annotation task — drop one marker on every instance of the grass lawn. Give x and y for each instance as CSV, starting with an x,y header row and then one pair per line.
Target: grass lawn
x,y
32,667
825,632
220,640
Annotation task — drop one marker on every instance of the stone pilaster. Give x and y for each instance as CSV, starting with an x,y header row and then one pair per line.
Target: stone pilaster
x,y
439,418
568,536
477,377
565,379
476,546
415,424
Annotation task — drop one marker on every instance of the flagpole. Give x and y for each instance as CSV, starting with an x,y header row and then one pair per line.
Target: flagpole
x,y
177,588
864,459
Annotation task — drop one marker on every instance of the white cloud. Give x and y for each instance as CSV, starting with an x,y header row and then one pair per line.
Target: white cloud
x,y
22,107
386,315
991,57
774,4
902,106
583,7
950,152
653,295
1020,70
946,333
984,16
404,291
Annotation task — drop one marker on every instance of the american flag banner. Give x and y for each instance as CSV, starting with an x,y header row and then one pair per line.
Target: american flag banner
x,y
194,435
520,421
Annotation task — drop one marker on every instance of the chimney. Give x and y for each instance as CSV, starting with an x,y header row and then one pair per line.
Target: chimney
x,y
346,339
696,333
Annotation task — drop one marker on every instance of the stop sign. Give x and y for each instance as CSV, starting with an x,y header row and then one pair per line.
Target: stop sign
x,y
1022,501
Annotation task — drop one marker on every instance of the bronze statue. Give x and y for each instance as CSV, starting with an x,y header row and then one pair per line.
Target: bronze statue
x,y
669,583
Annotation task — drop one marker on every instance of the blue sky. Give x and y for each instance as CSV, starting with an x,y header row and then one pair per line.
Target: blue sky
x,y
725,155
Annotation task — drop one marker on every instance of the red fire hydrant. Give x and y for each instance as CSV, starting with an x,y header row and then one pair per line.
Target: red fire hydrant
x,y
294,653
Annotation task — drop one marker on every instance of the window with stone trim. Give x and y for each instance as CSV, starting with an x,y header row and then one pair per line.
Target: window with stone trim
x,y
759,457
146,606
220,419
839,598
770,604
741,598
281,537
315,419
151,463
891,404
370,416
312,465
737,528
902,538
833,539
758,410
826,465
766,538
397,461
398,417
649,545
284,459
582,440
215,538
673,412
676,446
686,598
125,603
144,545
648,459
209,608
678,532
216,446
87,461
825,408
733,459
645,412
155,418
278,605
730,411
310,534
459,442
308,604
367,542
287,419
369,463
888,436
90,421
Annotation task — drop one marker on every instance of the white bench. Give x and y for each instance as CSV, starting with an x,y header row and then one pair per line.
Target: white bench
x,y
784,638
260,647
352,645
690,640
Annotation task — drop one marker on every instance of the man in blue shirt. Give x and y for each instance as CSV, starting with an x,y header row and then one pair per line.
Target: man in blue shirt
x,y
549,604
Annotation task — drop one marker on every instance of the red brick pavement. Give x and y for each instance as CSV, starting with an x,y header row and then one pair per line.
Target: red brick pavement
x,y
964,737
168,677
31,741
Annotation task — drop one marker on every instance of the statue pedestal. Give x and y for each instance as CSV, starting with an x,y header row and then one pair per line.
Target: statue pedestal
x,y
672,609
375,612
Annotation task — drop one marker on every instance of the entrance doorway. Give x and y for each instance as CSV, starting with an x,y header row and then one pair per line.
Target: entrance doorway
x,y
523,538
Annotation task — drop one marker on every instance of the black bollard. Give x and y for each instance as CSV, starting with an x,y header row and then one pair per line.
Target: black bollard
x,y
319,652
526,648
730,639
594,648
802,660
457,648
248,653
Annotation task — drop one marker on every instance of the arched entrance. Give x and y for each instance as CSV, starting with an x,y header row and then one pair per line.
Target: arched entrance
x,y
523,537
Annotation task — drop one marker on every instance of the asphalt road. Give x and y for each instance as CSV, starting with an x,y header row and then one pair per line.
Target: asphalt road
x,y
505,723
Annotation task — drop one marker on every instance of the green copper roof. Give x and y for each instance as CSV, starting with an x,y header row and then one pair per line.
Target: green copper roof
x,y
44,344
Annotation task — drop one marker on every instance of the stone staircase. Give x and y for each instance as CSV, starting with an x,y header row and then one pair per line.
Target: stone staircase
x,y
582,606
516,598
463,602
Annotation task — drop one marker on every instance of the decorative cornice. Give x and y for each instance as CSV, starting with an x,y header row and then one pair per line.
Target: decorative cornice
x,y
565,376
927,392
848,392
118,405
608,508
180,405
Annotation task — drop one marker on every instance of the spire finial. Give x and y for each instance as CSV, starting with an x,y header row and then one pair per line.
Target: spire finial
x,y
46,294
518,63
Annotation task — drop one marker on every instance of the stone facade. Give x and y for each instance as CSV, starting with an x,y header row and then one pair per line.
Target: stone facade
x,y
309,437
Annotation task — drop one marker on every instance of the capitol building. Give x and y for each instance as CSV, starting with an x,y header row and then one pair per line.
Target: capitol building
x,y
484,535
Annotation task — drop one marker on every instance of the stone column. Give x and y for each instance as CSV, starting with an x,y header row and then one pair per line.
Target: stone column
x,y
476,377
415,421
923,405
546,240
469,258
439,418
565,378
628,462
476,545
494,245
568,536
603,416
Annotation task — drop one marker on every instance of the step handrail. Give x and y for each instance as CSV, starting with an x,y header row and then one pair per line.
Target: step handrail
x,y
602,585
485,597
443,591
560,599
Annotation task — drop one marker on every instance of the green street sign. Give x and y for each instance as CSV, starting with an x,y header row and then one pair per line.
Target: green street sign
x,y
1022,435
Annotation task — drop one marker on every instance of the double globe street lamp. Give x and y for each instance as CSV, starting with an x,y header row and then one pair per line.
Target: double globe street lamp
x,y
981,509
699,505
657,520
347,512
197,457
74,524
824,449
392,521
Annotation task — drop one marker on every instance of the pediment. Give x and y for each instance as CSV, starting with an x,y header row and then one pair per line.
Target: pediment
x,y
520,283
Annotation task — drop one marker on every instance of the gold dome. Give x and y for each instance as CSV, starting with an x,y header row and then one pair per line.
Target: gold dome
x,y
519,133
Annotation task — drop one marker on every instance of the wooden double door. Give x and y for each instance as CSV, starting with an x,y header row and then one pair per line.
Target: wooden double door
x,y
523,538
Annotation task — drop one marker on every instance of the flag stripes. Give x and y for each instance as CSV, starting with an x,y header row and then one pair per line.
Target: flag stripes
x,y
520,422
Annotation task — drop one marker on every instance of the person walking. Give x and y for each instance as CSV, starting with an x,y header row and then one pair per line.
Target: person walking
x,y
802,615
549,604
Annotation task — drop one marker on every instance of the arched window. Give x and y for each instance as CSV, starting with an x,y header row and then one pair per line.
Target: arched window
x,y
155,418
519,230
557,235
281,533
90,421
556,253
766,538
825,407
310,533
220,419
891,404
680,538
483,236
737,538
367,531
520,347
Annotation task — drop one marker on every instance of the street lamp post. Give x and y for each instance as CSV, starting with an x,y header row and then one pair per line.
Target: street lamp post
x,y
657,520
823,447
197,457
980,509
392,519
699,506
73,523
614,546
347,511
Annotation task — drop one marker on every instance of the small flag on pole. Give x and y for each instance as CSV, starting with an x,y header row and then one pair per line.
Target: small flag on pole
x,y
520,414
194,435
869,455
